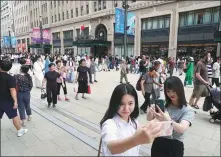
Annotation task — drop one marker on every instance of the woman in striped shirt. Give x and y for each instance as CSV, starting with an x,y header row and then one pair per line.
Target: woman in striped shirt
x,y
209,67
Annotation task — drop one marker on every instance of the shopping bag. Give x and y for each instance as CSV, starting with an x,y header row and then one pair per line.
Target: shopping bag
x,y
43,94
89,89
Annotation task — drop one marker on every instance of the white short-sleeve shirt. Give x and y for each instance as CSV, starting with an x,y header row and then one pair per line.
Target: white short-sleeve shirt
x,y
115,129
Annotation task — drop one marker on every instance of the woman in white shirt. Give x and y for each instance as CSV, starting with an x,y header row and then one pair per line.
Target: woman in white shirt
x,y
120,132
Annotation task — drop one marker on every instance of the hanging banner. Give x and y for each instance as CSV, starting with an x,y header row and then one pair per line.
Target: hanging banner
x,y
131,23
119,20
36,36
6,42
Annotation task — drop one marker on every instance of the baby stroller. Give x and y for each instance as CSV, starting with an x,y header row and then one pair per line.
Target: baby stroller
x,y
213,100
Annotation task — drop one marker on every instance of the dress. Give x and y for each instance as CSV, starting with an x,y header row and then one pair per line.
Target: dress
x,y
189,74
38,73
82,79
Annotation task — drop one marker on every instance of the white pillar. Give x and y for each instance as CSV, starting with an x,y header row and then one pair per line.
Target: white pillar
x,y
62,42
174,22
137,36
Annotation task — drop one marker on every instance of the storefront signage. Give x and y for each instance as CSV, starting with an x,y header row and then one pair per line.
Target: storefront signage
x,y
7,43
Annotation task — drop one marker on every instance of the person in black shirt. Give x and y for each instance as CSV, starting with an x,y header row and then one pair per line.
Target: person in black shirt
x,y
51,86
8,98
82,79
143,64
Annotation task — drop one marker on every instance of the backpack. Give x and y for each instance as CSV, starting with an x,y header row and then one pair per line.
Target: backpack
x,y
138,86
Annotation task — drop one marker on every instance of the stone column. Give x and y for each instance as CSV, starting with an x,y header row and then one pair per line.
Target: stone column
x,y
174,21
137,36
62,41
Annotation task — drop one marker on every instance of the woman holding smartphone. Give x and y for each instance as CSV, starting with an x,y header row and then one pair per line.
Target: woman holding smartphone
x,y
120,132
177,111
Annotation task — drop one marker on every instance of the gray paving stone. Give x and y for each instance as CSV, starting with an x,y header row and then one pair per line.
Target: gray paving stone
x,y
44,135
192,140
207,145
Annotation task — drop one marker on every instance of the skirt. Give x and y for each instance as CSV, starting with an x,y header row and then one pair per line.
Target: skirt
x,y
163,147
82,86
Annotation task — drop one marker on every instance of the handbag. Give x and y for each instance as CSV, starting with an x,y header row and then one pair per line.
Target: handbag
x,y
207,105
88,89
99,149
43,94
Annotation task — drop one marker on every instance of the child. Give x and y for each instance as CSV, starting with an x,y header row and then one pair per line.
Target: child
x,y
121,134
181,115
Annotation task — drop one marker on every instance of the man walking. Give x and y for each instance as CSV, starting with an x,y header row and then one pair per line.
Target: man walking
x,y
201,81
8,98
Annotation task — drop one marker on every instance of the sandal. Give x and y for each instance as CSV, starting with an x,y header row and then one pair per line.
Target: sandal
x,y
195,106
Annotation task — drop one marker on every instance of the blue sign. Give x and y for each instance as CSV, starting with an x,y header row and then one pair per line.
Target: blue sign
x,y
119,20
131,23
7,43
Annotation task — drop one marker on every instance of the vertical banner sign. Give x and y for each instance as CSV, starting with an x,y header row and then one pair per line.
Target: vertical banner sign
x,y
131,23
119,20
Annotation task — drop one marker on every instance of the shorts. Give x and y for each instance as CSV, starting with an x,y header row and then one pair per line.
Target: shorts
x,y
200,91
8,109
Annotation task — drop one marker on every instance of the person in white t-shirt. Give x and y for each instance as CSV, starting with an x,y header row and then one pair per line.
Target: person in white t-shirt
x,y
121,134
216,72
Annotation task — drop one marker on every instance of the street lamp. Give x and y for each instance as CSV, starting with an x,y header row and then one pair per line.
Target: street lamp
x,y
41,36
9,34
125,6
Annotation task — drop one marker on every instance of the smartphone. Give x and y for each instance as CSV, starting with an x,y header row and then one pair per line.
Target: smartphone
x,y
160,104
166,128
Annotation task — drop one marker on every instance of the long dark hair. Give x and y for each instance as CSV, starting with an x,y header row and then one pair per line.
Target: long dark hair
x,y
174,83
115,102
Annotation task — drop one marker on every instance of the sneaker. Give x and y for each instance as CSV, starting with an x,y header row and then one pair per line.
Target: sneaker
x,y
95,80
66,99
23,123
59,98
49,105
54,106
29,118
22,132
76,98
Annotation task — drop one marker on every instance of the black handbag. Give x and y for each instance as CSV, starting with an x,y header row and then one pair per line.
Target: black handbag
x,y
43,94
207,105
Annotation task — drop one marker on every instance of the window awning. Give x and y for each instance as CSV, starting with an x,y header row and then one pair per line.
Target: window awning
x,y
90,43
39,46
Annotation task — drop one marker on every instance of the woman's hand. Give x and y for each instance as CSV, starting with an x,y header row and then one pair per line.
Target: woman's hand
x,y
161,116
146,134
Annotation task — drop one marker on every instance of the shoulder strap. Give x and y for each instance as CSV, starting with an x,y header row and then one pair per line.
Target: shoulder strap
x,y
99,149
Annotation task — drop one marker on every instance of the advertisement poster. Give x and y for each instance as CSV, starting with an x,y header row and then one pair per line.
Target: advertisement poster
x,y
131,23
36,36
6,41
119,21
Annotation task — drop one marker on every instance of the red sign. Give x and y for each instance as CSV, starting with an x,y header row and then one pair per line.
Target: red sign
x,y
82,27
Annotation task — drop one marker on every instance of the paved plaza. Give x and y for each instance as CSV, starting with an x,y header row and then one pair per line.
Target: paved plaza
x,y
72,129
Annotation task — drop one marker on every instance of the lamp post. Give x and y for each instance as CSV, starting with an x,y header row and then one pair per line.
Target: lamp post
x,y
41,36
10,43
125,6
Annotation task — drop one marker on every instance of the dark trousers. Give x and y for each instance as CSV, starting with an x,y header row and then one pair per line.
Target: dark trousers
x,y
90,75
59,87
51,95
216,81
24,104
163,147
146,102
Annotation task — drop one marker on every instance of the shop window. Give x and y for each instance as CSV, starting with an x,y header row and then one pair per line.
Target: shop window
x,y
155,23
149,24
167,22
207,16
198,18
161,22
95,6
143,25
182,19
216,15
190,16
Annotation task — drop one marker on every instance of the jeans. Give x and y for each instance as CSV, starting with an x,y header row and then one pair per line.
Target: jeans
x,y
24,104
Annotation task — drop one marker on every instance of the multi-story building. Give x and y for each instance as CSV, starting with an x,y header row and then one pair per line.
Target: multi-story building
x,y
6,23
21,20
165,27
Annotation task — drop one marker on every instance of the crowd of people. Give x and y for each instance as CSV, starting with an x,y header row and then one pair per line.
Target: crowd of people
x,y
121,134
